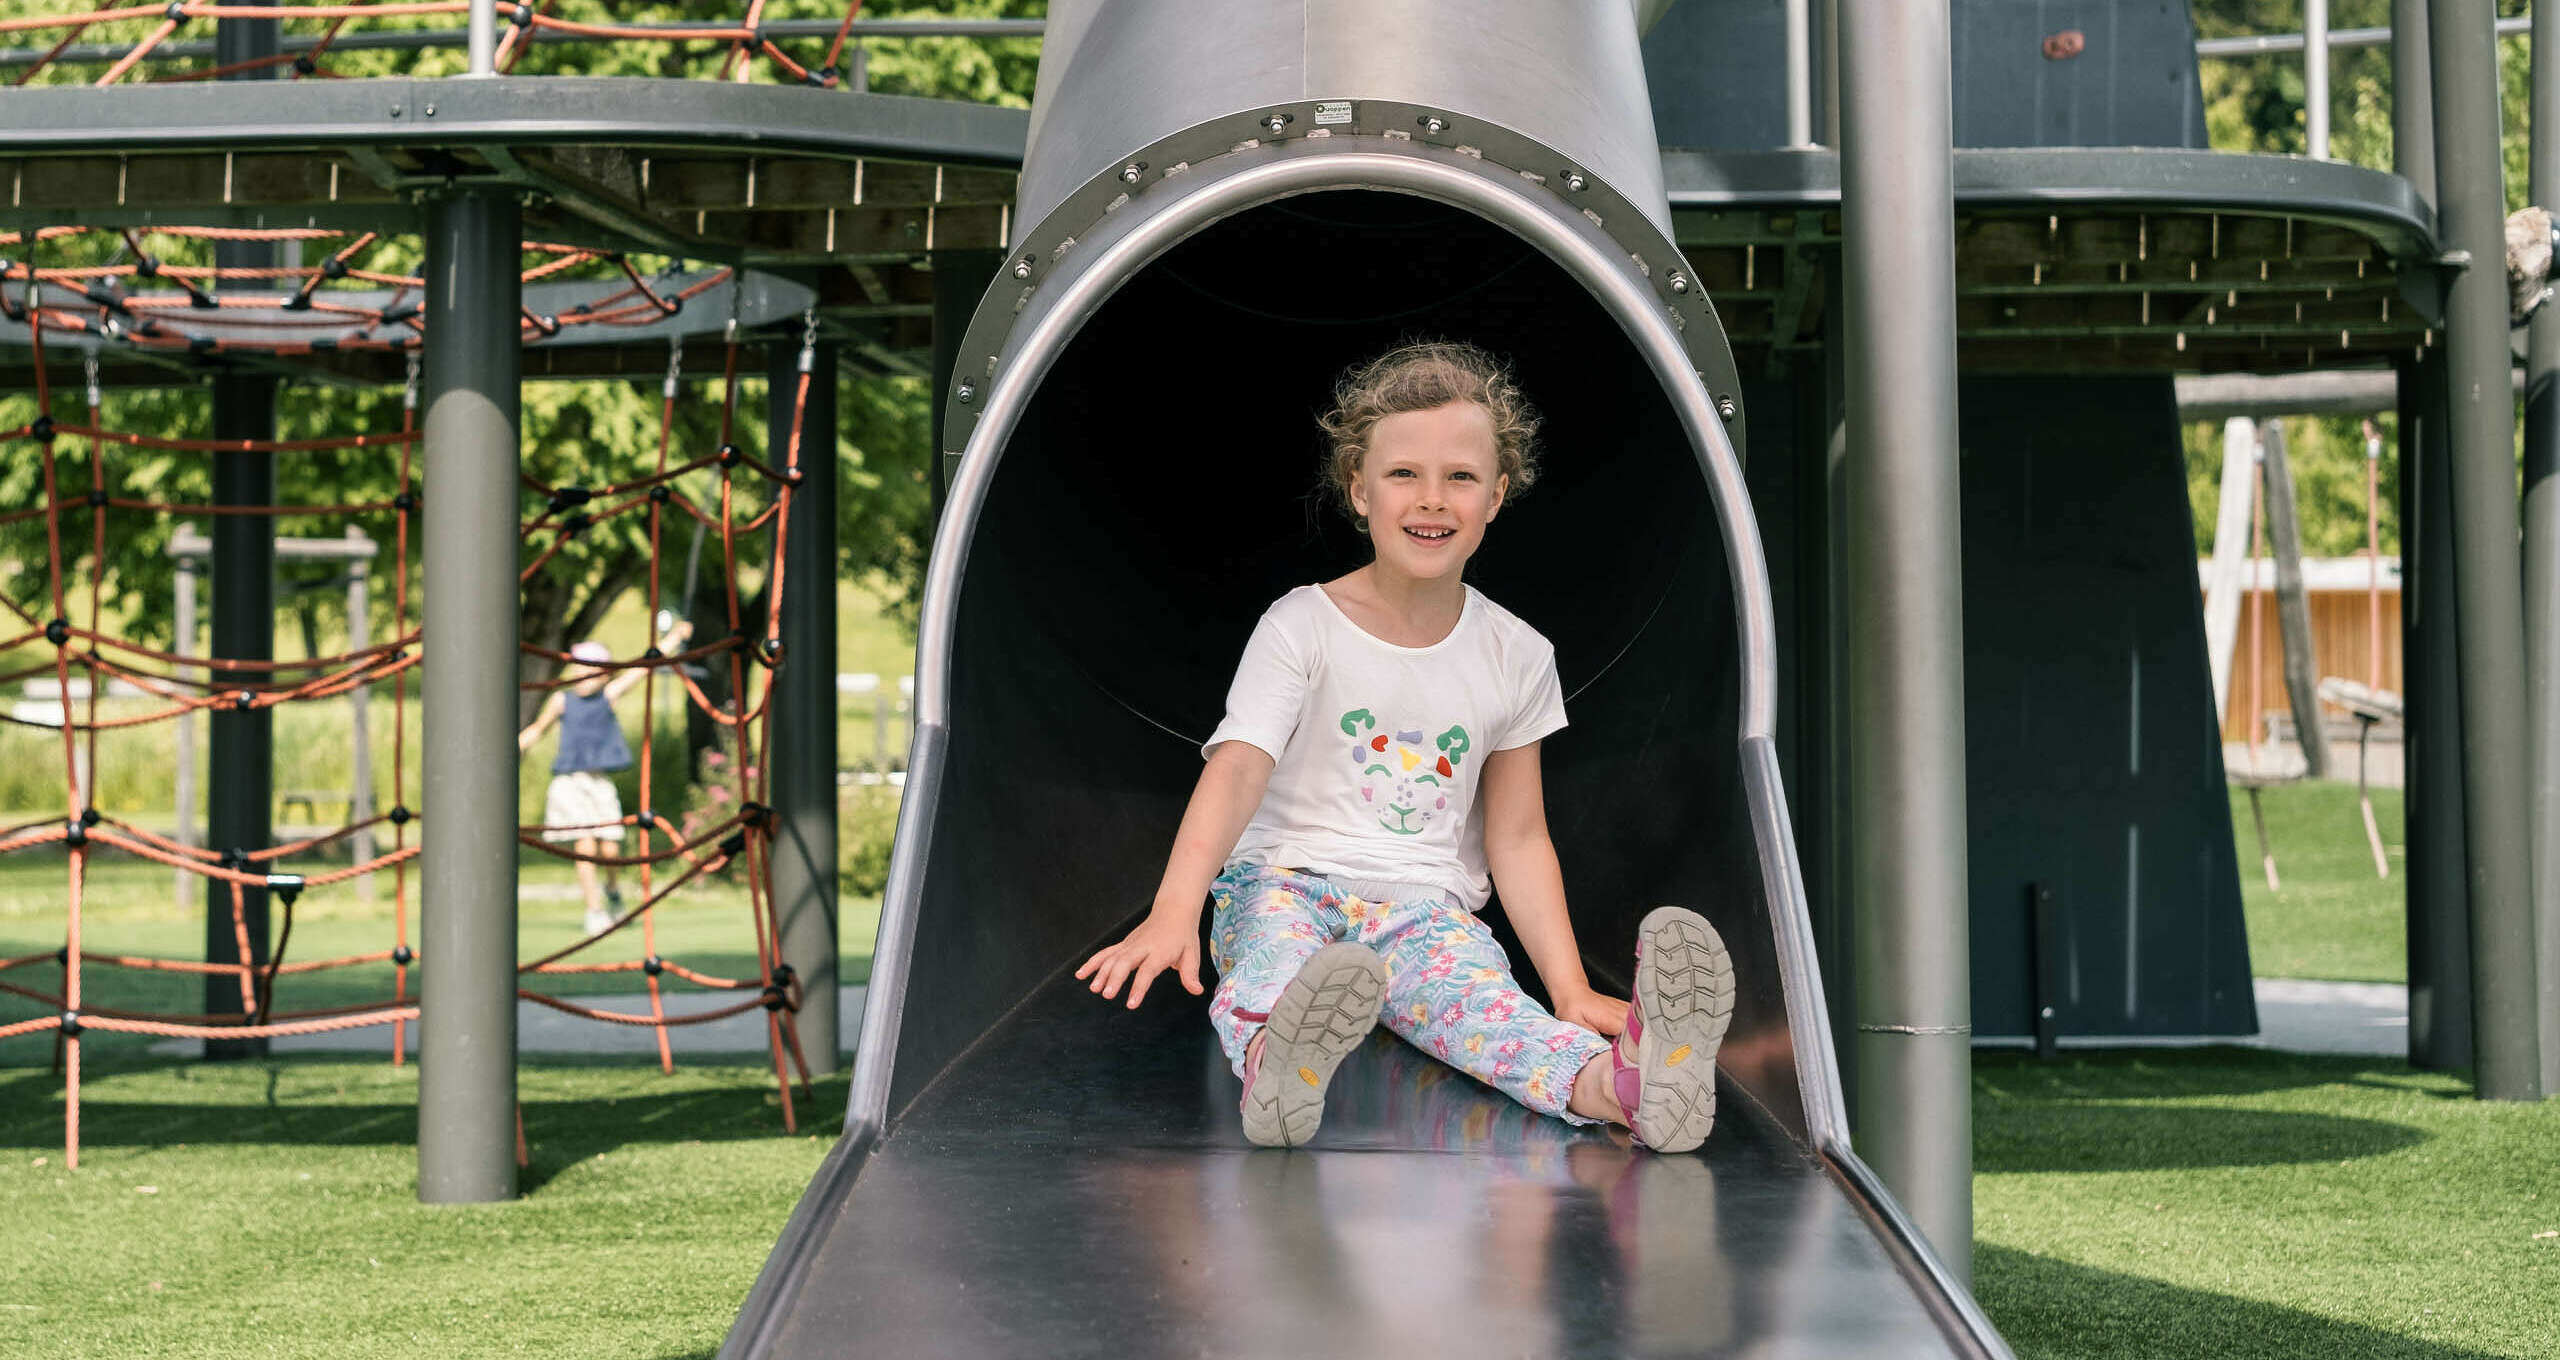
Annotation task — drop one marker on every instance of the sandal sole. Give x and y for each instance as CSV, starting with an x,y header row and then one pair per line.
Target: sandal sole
x,y
1684,985
1323,1014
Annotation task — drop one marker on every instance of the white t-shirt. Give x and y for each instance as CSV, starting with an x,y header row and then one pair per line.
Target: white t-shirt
x,y
1376,748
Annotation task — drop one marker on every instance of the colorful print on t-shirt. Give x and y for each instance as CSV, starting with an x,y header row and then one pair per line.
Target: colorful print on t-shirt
x,y
1405,782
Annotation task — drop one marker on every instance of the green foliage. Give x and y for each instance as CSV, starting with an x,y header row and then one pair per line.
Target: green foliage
x,y
866,821
2327,458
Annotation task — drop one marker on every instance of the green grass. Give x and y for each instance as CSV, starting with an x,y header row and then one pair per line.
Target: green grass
x,y
2228,1203
132,908
270,1209
2332,919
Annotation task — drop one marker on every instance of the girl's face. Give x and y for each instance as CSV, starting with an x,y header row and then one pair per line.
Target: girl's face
x,y
1428,488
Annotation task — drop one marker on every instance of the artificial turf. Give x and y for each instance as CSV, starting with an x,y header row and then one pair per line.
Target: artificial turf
x,y
2225,1203
270,1209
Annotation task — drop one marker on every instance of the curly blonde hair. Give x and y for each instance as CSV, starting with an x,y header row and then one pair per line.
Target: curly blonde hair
x,y
1423,377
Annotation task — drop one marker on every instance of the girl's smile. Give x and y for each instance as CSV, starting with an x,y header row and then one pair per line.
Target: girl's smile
x,y
1428,487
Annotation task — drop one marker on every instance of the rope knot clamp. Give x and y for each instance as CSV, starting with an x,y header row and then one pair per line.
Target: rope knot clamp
x,y
175,11
755,814
769,651
392,316
653,654
89,816
304,66
105,296
62,956
403,955
731,455
570,526
823,77
244,701
297,302
646,817
201,300
74,834
399,815
286,886
735,846
58,632
521,16
653,965
333,268
782,975
774,999
406,500
144,266
71,1023
569,498
235,858
41,428
97,498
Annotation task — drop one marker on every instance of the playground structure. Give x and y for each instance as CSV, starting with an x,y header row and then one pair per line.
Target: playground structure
x,y
1727,239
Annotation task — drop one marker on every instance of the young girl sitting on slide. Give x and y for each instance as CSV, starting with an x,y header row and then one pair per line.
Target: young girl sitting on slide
x,y
1378,761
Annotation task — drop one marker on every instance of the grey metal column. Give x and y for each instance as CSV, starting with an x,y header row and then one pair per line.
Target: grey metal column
x,y
240,764
2413,120
1912,1114
2490,607
804,700
2439,910
467,926
2542,557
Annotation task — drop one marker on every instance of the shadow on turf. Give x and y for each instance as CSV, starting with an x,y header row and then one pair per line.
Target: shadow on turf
x,y
560,1133
2054,1310
2145,1073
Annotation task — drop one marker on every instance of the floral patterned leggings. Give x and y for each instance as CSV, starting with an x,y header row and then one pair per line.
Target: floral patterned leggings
x,y
1450,991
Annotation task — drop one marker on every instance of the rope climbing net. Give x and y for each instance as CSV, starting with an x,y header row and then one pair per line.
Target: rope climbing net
x,y
737,503
746,45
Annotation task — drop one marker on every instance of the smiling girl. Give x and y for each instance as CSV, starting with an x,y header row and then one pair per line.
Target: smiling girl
x,y
1377,775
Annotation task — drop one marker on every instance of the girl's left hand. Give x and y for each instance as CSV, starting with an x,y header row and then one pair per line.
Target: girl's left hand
x,y
1592,1011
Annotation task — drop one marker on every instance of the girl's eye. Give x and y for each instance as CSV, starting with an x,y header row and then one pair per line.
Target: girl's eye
x,y
1400,472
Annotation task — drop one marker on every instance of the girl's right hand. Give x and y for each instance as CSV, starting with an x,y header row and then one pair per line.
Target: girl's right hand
x,y
1160,942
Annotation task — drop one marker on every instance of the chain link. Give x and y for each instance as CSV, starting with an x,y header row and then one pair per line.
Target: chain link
x,y
675,363
409,394
809,338
89,370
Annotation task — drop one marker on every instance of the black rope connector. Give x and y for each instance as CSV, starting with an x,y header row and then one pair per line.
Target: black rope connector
x,y
146,266
235,858
89,816
821,76
393,316
40,429
569,498
175,12
200,344
333,268
647,816
753,813
203,301
406,500
774,998
297,302
769,651
782,975
569,527
661,494
244,701
58,632
731,455
62,956
522,17
399,815
106,297
286,886
402,955
653,654
734,846
71,1024
304,66
74,834
97,498
653,965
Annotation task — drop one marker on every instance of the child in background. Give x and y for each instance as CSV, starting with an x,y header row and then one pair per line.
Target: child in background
x,y
582,808
1377,774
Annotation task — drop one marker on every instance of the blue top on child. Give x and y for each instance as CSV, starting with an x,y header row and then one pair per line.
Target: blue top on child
x,y
590,735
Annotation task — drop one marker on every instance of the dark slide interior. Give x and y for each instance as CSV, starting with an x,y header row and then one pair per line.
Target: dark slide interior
x,y
1059,1176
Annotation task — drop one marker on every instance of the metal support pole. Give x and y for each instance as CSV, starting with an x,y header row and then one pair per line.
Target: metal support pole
x,y
467,1040
2293,607
240,763
481,39
2413,119
359,711
1799,72
2439,895
2542,555
2497,774
2315,77
804,699
1913,1113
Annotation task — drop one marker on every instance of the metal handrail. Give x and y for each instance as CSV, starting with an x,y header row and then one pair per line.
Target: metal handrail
x,y
101,54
